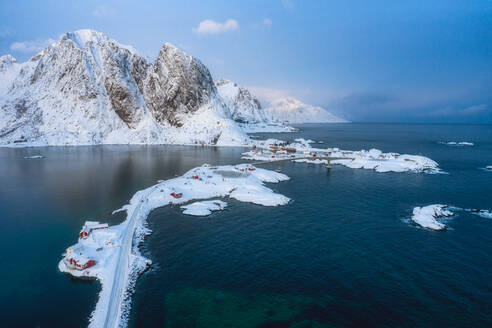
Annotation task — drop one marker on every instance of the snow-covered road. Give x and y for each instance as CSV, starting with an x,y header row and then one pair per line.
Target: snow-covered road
x,y
113,312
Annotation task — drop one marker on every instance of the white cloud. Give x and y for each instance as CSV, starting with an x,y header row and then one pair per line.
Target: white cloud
x,y
212,27
31,46
267,22
102,11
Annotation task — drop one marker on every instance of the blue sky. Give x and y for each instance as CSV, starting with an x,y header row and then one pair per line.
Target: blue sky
x,y
383,61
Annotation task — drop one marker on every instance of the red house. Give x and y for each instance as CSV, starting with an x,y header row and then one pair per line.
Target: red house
x,y
90,226
79,263
177,195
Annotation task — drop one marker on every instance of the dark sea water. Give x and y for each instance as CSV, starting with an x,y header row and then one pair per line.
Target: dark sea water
x,y
342,253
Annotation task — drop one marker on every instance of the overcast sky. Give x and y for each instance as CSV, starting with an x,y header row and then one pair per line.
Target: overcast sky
x,y
383,61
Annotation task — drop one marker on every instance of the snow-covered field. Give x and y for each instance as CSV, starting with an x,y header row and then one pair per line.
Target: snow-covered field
x,y
115,249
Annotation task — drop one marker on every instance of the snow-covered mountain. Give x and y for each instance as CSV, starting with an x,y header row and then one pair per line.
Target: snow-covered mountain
x,y
291,110
89,89
244,107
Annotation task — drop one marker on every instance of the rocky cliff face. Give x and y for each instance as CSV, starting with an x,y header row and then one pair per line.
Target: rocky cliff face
x,y
177,84
89,89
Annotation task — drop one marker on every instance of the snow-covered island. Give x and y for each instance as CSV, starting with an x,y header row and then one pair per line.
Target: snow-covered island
x,y
110,253
457,143
300,151
431,216
34,157
428,216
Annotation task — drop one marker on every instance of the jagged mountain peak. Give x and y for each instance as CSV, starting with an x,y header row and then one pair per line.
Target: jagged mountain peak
x,y
83,37
179,82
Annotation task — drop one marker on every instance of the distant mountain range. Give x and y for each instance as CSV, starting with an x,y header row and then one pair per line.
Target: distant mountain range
x,y
88,89
291,110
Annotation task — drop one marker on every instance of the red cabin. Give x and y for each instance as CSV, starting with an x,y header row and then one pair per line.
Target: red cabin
x,y
177,195
81,264
195,177
251,169
89,227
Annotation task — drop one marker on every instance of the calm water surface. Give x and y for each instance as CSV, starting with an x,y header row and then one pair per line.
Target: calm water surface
x,y
341,254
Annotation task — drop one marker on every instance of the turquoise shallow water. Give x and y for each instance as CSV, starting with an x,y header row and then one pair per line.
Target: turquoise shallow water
x,y
341,254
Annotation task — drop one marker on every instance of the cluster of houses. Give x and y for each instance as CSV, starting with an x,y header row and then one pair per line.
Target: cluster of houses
x,y
279,150
74,256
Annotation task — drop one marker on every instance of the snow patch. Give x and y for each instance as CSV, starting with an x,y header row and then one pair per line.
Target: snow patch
x,y
204,208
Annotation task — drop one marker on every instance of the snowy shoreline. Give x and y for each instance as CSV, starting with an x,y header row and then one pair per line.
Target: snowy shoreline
x,y
114,249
